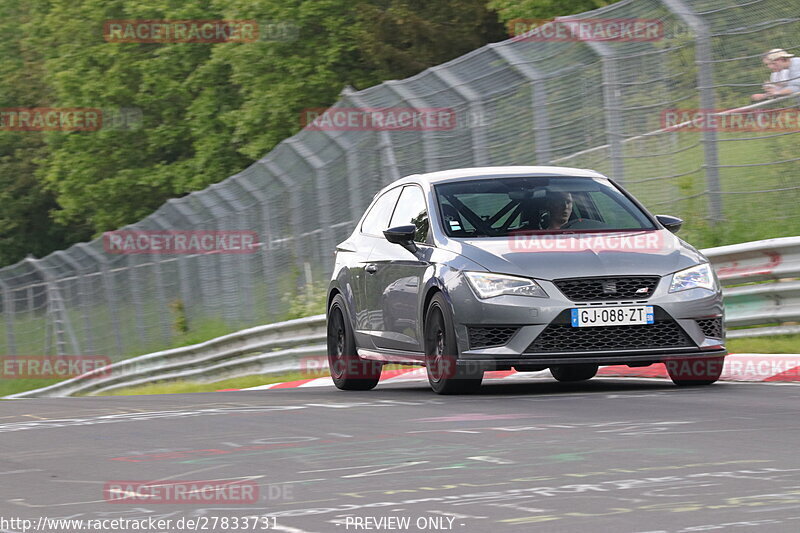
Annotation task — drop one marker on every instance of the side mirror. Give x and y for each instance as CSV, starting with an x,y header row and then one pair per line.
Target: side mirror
x,y
673,224
402,235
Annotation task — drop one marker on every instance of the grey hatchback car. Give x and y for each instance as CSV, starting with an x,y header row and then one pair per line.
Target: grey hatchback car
x,y
531,268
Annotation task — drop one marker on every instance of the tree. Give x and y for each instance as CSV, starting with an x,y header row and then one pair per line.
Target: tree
x,y
208,110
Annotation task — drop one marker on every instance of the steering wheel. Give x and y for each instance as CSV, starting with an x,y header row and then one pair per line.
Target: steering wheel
x,y
570,223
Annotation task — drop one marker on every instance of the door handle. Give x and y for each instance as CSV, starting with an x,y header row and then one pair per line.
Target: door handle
x,y
371,269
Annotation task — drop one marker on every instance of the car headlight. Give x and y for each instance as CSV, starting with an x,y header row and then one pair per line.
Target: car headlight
x,y
699,276
488,285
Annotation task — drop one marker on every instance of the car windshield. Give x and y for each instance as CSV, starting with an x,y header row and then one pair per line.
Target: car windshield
x,y
500,207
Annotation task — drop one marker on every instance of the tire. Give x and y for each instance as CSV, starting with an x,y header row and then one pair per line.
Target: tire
x,y
570,373
348,370
441,352
695,372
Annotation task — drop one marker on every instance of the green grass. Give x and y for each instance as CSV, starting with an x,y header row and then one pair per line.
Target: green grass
x,y
776,345
13,386
178,387
773,344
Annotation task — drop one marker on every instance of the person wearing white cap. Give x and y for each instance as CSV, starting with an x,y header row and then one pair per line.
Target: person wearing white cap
x,y
776,78
791,79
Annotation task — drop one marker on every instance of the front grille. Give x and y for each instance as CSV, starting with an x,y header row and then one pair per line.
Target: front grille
x,y
485,337
560,336
711,327
614,288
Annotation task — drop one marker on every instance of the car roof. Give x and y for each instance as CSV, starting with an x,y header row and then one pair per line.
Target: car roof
x,y
497,172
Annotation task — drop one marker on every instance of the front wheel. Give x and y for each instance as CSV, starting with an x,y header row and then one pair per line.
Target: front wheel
x,y
348,370
695,372
441,353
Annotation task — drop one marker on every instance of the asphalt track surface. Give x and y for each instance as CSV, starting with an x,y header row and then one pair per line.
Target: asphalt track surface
x,y
611,454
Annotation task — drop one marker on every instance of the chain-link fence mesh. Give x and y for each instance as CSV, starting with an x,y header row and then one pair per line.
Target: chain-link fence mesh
x,y
591,104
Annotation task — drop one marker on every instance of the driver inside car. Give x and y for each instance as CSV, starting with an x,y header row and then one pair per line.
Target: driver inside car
x,y
557,210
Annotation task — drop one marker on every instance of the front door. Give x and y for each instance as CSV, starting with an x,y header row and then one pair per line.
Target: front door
x,y
395,279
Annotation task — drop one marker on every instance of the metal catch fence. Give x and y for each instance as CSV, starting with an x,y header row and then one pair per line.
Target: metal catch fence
x,y
572,102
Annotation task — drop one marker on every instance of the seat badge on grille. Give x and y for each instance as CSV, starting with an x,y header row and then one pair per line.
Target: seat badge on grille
x,y
609,287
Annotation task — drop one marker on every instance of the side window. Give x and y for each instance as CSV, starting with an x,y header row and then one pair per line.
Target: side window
x,y
411,210
377,219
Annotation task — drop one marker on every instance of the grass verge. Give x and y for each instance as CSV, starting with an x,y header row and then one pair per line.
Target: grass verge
x,y
180,386
13,386
176,387
772,344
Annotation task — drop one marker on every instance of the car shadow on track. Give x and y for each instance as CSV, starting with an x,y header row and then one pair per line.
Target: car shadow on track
x,y
534,388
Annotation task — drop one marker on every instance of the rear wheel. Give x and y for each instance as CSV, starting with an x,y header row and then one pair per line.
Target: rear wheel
x,y
568,373
348,370
441,353
695,372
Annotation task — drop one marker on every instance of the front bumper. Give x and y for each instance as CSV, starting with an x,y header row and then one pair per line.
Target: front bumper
x,y
632,358
531,316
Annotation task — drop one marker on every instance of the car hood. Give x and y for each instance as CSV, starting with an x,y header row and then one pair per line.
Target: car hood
x,y
653,252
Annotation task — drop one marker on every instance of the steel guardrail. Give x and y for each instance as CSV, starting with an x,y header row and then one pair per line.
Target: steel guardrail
x,y
760,288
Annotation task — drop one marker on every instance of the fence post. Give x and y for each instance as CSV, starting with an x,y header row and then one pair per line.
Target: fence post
x,y
611,106
136,287
355,197
703,58
480,154
295,209
227,294
87,322
246,305
8,311
388,159
429,149
109,292
193,220
267,259
322,186
541,114
159,221
55,308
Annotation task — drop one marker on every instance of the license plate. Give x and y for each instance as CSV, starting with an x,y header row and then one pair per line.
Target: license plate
x,y
587,317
